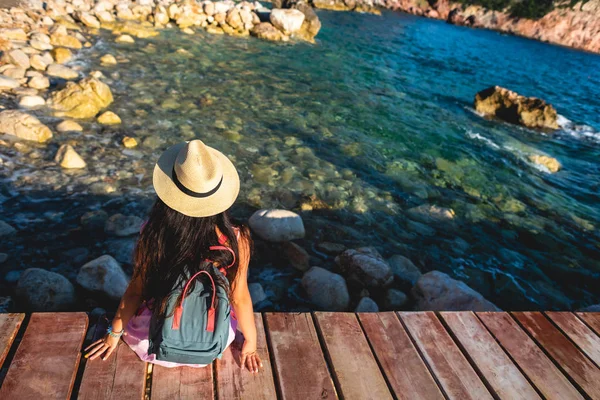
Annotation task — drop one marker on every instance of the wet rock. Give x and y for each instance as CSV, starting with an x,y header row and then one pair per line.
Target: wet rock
x,y
365,266
404,270
83,99
94,220
122,249
108,59
277,225
6,230
549,163
288,21
43,290
68,41
420,228
109,118
129,142
427,213
67,157
595,308
329,248
69,126
124,39
105,275
17,57
31,101
38,82
366,304
61,55
297,256
311,25
121,225
257,293
76,255
60,71
24,126
8,83
395,299
511,107
436,291
326,290
266,30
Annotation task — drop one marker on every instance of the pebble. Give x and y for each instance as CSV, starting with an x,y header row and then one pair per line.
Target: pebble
x,y
124,39
129,142
31,101
39,82
60,71
69,126
367,304
109,118
108,59
67,157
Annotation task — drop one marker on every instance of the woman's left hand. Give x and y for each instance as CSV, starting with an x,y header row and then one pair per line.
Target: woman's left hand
x,y
250,358
105,346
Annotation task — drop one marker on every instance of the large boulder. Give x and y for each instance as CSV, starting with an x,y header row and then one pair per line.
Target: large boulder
x,y
43,290
404,270
311,25
105,275
326,290
266,30
82,99
67,157
436,291
24,126
288,21
366,266
511,107
277,225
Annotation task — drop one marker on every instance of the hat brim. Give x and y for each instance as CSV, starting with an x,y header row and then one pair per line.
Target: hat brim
x,y
188,205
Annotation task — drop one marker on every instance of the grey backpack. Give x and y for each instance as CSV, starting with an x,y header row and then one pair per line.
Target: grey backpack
x,y
196,327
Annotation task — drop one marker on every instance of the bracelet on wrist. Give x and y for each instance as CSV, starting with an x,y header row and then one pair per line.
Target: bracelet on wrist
x,y
116,335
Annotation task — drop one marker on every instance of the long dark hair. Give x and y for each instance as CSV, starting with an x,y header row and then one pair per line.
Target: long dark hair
x,y
172,247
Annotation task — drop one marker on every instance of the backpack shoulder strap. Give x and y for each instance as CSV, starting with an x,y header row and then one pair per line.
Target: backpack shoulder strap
x,y
210,324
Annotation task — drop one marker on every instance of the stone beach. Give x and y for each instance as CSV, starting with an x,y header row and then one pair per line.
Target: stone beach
x,y
82,116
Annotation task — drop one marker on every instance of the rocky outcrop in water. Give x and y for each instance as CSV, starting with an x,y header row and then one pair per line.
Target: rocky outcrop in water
x,y
83,99
24,126
509,106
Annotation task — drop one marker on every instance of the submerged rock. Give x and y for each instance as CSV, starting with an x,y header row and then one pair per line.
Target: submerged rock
x,y
67,157
82,99
297,256
121,225
129,142
24,126
511,107
69,126
124,39
108,59
6,230
436,291
105,275
43,290
326,290
366,266
277,225
288,21
109,118
366,304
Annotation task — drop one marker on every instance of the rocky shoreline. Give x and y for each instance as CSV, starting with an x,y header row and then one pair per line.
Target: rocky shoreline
x,y
575,25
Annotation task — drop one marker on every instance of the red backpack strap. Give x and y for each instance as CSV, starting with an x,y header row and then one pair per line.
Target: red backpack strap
x,y
210,324
225,248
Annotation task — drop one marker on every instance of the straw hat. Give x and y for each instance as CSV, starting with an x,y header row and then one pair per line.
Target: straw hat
x,y
196,180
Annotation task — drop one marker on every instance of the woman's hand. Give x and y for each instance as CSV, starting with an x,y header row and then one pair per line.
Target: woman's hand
x,y
104,346
250,358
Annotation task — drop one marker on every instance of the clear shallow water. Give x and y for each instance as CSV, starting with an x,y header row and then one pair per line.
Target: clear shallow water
x,y
374,120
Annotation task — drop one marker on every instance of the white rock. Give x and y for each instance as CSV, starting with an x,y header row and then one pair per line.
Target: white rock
x,y
17,57
24,126
124,39
67,157
105,16
287,20
89,20
45,291
14,73
31,101
8,83
38,82
326,290
38,62
366,304
277,225
104,274
60,71
69,126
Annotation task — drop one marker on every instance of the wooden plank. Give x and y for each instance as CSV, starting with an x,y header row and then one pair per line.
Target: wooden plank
x,y
449,365
405,370
563,351
496,367
233,382
122,376
9,326
45,364
529,357
182,383
591,319
298,359
354,367
579,333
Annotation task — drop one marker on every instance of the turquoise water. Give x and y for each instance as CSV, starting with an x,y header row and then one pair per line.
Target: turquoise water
x,y
371,121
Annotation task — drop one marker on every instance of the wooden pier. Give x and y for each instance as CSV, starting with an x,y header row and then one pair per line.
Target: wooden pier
x,y
406,355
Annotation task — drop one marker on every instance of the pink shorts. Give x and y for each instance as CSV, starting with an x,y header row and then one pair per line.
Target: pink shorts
x,y
136,336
